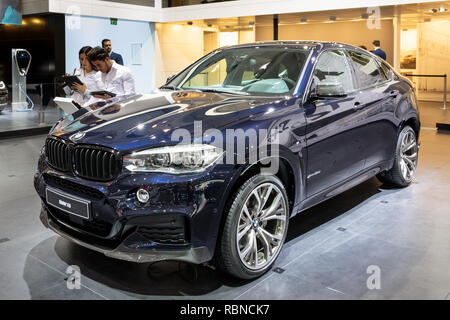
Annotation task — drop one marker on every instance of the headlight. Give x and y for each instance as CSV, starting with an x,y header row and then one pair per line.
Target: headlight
x,y
175,159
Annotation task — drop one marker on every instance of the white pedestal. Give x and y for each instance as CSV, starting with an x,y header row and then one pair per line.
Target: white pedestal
x,y
18,105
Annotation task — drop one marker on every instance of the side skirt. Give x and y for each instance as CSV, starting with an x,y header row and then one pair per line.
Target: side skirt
x,y
342,186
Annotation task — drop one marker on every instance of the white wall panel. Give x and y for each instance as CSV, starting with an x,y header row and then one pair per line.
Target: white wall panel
x,y
434,54
122,36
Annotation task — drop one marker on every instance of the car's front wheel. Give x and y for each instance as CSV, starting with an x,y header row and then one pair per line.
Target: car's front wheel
x,y
255,227
405,163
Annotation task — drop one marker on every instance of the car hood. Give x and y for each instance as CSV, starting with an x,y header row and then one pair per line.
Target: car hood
x,y
149,120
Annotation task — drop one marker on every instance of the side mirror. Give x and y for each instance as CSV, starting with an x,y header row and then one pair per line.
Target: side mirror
x,y
170,78
331,90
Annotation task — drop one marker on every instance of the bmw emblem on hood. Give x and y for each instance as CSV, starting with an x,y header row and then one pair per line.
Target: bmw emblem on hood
x,y
77,136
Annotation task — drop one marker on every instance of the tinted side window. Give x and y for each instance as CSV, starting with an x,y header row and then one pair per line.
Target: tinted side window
x,y
333,68
387,71
367,69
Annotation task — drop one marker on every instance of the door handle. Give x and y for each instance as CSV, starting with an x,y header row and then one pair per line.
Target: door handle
x,y
393,93
358,105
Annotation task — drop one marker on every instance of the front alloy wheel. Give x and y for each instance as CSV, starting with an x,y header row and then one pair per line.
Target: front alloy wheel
x,y
255,227
408,155
261,227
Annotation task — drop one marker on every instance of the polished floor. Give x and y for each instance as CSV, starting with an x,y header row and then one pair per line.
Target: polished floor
x,y
432,112
36,118
331,250
432,95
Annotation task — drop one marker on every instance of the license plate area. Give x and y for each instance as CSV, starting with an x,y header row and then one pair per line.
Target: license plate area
x,y
68,203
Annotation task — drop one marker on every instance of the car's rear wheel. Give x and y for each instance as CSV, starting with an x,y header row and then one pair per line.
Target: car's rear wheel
x,y
255,227
405,163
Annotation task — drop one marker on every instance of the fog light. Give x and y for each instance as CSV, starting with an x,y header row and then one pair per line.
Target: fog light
x,y
142,195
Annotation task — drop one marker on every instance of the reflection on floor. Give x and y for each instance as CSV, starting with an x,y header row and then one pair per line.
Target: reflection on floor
x,y
436,96
431,112
330,250
28,119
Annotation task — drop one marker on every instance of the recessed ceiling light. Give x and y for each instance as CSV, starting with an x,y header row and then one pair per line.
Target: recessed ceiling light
x,y
442,9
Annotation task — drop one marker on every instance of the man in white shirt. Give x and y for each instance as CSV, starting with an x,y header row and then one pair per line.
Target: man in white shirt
x,y
112,77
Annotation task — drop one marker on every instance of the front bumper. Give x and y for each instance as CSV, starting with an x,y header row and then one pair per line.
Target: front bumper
x,y
124,252
122,228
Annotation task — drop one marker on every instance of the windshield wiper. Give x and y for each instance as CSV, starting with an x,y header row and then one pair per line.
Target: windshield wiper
x,y
222,91
170,88
204,90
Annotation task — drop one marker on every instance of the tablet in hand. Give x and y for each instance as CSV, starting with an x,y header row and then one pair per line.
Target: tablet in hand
x,y
102,93
70,80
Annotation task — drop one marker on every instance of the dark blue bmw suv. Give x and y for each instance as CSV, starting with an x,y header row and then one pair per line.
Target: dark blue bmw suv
x,y
212,165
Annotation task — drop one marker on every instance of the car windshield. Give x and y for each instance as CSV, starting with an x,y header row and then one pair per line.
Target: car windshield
x,y
255,70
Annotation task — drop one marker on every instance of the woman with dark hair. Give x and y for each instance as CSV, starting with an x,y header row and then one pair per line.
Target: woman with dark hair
x,y
82,55
87,74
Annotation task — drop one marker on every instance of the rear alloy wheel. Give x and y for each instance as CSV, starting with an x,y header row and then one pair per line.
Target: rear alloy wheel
x,y
405,164
255,227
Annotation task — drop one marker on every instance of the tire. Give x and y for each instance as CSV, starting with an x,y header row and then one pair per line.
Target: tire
x,y
243,205
405,162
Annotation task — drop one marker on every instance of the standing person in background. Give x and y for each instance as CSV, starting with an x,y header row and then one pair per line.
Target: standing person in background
x,y
106,44
377,50
112,76
87,75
